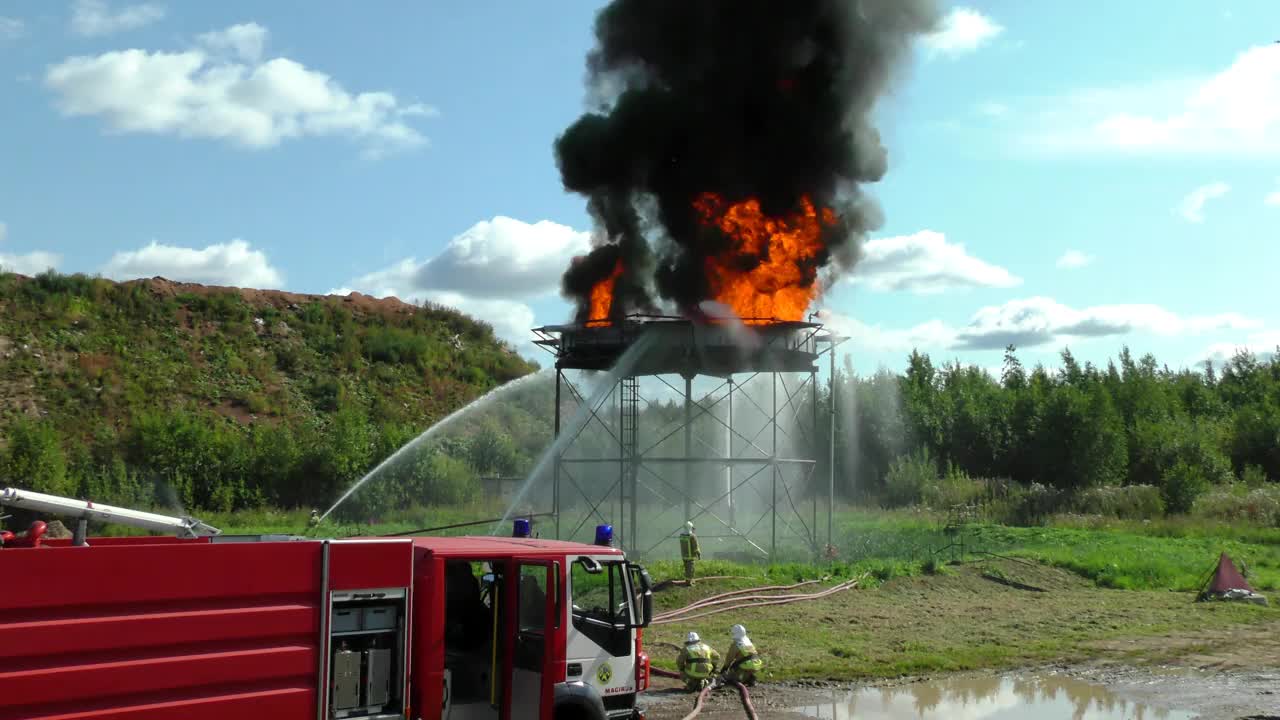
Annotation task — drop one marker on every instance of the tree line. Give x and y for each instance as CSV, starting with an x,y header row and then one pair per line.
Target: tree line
x,y
1078,431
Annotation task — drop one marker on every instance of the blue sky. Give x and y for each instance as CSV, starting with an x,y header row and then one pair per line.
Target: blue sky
x,y
1057,177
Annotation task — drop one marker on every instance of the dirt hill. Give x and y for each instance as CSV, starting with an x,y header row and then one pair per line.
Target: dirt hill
x,y
168,379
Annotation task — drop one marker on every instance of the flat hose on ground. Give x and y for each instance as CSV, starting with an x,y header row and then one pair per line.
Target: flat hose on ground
x,y
783,601
672,616
715,599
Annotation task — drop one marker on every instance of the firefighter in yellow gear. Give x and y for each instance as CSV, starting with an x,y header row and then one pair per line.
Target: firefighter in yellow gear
x,y
697,662
689,551
743,662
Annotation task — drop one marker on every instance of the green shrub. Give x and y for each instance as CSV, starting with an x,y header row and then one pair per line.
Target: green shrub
x,y
933,566
908,478
326,393
396,346
1182,484
34,458
1253,476
288,357
1130,502
1033,504
314,313
954,488
1238,502
449,482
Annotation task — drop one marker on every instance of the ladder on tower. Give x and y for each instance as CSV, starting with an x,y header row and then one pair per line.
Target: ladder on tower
x,y
628,442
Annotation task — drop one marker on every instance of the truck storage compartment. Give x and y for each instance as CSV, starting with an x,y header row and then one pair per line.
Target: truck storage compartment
x,y
366,651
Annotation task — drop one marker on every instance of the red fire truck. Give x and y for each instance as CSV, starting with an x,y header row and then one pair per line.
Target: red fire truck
x,y
218,627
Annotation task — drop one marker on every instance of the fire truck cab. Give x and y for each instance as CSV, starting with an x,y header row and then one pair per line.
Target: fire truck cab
x,y
212,628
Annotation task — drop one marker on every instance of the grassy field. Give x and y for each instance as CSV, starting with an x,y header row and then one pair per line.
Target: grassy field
x,y
1175,554
963,618
1168,555
936,601
932,600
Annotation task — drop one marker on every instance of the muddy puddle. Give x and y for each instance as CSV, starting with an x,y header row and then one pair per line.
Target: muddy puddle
x,y
975,698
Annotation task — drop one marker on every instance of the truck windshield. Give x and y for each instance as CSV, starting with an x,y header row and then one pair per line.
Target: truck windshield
x,y
602,605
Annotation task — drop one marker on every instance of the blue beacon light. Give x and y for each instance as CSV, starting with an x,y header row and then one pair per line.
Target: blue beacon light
x,y
604,535
520,528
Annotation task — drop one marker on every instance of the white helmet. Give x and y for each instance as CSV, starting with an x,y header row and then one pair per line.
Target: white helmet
x,y
692,638
688,526
738,632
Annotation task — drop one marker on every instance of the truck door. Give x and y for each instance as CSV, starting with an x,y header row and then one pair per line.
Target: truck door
x,y
537,610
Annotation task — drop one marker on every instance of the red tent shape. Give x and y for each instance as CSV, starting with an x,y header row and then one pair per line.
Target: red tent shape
x,y
1227,577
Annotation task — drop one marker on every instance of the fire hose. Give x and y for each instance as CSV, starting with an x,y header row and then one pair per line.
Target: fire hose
x,y
746,700
724,597
767,600
738,596
743,695
697,705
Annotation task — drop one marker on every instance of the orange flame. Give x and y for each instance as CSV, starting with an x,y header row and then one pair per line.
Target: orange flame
x,y
769,271
602,297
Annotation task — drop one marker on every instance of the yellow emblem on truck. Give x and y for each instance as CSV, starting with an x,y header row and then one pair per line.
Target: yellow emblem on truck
x,y
604,674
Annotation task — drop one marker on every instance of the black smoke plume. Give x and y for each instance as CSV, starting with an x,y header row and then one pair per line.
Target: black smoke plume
x,y
745,98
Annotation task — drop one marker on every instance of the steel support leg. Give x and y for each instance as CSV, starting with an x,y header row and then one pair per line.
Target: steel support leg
x,y
688,446
831,470
813,477
728,453
773,497
555,470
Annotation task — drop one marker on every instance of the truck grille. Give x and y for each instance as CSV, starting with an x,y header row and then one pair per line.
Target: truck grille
x,y
616,705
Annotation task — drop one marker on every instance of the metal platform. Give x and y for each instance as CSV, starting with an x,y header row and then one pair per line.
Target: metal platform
x,y
738,464
684,347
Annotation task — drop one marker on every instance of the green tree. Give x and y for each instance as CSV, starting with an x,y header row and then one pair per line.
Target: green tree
x,y
34,458
1081,442
1182,484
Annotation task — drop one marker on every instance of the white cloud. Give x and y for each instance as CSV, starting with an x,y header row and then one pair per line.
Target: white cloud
x,y
925,263
932,334
219,90
504,257
1192,206
963,31
32,263
1259,343
1235,111
1032,322
511,320
1073,259
233,264
93,18
486,271
11,28
245,41
1040,320
1273,199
